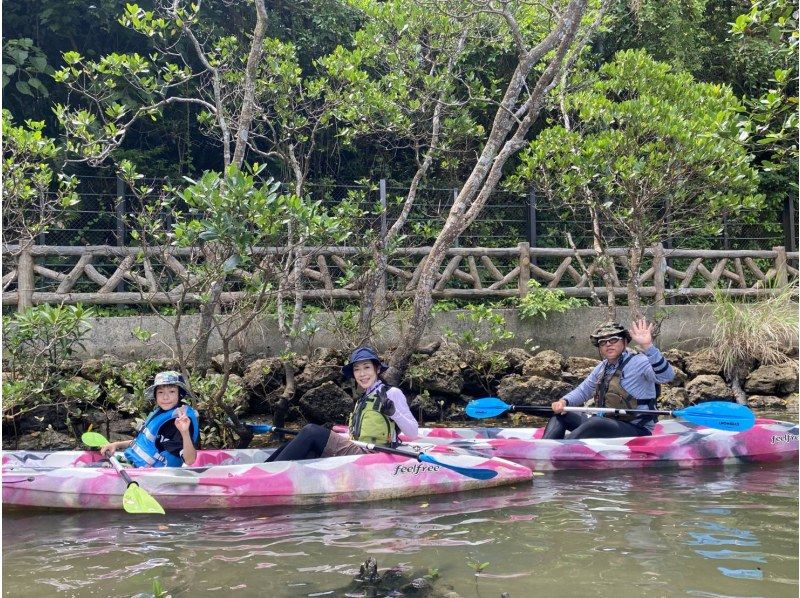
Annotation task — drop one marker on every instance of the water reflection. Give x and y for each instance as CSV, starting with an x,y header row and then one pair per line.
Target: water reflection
x,y
726,532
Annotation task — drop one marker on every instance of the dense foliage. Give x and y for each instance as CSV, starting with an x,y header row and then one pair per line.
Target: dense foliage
x,y
695,36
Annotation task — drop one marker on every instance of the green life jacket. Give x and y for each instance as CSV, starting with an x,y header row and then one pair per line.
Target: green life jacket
x,y
610,394
367,424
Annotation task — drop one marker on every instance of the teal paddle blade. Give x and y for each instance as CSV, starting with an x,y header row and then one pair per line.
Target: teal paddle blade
x,y
260,428
488,407
720,415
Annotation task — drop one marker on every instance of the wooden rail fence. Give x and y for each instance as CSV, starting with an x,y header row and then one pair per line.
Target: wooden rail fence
x,y
109,275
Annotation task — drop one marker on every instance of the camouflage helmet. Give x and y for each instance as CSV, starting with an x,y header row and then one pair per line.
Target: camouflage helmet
x,y
609,329
167,379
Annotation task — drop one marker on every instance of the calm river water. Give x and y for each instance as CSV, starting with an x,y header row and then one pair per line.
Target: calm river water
x,y
708,533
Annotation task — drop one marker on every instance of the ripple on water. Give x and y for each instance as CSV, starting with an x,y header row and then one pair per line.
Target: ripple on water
x,y
663,533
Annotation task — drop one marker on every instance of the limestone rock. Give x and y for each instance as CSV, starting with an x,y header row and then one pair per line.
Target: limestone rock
x,y
672,398
47,440
515,358
680,378
235,360
99,370
263,376
318,372
534,390
578,368
779,379
326,404
765,402
707,387
703,362
426,407
792,405
676,357
546,364
440,374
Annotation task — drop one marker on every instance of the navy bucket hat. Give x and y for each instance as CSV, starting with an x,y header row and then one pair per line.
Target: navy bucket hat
x,y
363,354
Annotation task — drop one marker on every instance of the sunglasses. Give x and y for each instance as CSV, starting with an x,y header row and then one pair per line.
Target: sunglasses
x,y
608,341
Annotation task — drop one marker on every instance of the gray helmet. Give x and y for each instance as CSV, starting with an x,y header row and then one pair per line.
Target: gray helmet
x,y
168,379
609,329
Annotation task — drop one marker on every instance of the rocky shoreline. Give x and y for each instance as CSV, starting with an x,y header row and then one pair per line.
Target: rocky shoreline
x,y
438,386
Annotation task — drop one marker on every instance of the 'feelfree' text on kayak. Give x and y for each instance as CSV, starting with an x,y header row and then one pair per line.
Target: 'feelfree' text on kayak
x,y
784,438
415,469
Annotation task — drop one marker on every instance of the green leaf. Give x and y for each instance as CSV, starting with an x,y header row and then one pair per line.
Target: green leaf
x,y
231,263
23,87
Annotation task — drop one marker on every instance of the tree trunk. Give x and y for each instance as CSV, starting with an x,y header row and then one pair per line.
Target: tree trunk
x,y
738,391
500,146
606,260
200,350
248,100
634,265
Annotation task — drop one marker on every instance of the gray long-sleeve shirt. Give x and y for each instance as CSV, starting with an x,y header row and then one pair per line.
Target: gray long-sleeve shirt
x,y
640,374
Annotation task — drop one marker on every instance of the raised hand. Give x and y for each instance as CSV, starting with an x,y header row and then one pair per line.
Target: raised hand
x,y
642,334
182,421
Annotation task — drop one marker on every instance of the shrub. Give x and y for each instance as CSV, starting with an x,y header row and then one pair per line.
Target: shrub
x,y
541,301
744,332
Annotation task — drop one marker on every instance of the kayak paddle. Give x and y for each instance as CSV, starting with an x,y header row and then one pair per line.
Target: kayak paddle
x,y
264,428
472,472
721,415
135,499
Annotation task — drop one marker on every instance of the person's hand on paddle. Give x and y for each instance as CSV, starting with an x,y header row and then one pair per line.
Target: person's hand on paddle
x,y
642,334
109,449
558,406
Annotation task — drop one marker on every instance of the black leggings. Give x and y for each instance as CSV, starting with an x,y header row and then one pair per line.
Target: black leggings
x,y
308,444
581,426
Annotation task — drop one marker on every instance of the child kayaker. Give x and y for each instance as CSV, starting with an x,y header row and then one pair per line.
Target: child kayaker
x,y
170,435
380,413
623,380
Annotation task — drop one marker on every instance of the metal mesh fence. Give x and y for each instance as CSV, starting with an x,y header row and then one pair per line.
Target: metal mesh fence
x,y
507,219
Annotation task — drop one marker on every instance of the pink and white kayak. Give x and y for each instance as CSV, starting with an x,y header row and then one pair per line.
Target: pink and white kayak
x,y
241,478
673,444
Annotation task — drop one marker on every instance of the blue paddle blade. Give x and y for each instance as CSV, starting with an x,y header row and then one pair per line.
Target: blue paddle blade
x,y
472,472
720,415
260,428
488,407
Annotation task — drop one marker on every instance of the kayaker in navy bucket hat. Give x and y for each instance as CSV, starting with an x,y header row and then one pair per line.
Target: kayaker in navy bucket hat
x,y
622,380
363,354
170,435
380,414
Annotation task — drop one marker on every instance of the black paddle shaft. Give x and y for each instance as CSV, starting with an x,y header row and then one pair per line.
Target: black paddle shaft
x,y
393,451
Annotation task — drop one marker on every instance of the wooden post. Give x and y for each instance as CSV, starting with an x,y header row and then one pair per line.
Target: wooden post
x,y
524,268
781,274
659,274
25,265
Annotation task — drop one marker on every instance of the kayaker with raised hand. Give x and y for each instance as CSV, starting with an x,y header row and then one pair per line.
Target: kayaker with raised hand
x,y
380,414
622,380
170,435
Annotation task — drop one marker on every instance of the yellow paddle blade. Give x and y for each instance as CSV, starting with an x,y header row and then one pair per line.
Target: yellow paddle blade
x,y
93,439
137,500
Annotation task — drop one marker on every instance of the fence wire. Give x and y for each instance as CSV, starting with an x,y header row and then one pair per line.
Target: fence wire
x,y
103,218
